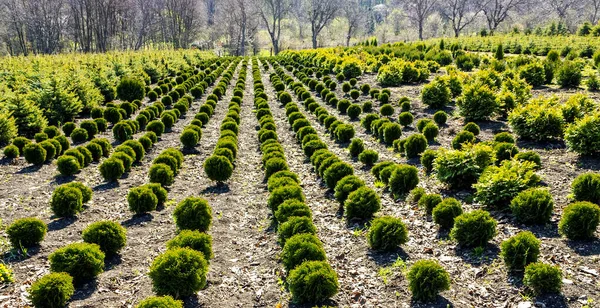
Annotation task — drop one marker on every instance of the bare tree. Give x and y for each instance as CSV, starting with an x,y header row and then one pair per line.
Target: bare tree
x,y
460,13
562,7
179,20
418,11
14,18
594,11
241,23
355,14
320,13
496,11
271,13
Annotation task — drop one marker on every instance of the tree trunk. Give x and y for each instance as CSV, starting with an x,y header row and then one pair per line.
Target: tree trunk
x,y
420,30
314,41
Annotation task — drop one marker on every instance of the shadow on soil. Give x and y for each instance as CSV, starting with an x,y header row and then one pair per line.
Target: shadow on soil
x,y
585,247
61,223
85,291
220,188
30,169
470,255
440,301
137,220
106,186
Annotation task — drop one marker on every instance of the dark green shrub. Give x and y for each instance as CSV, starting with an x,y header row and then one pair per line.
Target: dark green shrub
x,y
362,203
461,138
160,302
39,137
445,212
356,147
312,146
189,138
533,206
111,115
218,168
436,94
422,123
387,233
49,148
105,144
474,229
293,226
11,151
291,208
178,272
429,201
543,278
195,240
161,174
86,192
391,132
121,131
82,261
346,186
274,165
193,214
34,153
530,156
66,201
109,235
472,127
142,199
415,145
344,132
520,250
137,148
579,220
405,118
569,75
336,172
426,278
504,137
505,151
112,169
354,111
87,155
68,128
159,192
301,248
431,131
312,282
77,155
403,179
416,194
26,232
51,131
130,89
157,127
440,118
368,157
427,159
21,142
96,151
52,290
281,194
367,106
586,187
386,110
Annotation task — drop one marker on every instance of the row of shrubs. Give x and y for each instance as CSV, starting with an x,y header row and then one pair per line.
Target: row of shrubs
x,y
40,152
219,166
310,278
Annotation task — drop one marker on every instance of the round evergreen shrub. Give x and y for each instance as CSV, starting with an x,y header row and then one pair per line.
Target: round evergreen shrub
x,y
346,186
121,131
292,208
68,128
281,194
477,102
82,261
160,302
157,127
405,118
11,151
312,146
274,165
344,132
104,144
189,138
342,105
368,157
193,214
473,128
95,149
403,179
136,146
26,232
586,187
312,282
422,123
386,110
21,142
161,174
474,229
505,151
569,75
86,192
356,147
142,200
195,240
34,153
87,155
218,168
109,235
52,131
387,233
178,272
66,201
79,135
77,155
391,132
52,290
426,278
427,159
295,225
354,111
130,89
336,172
436,94
112,169
39,137
429,201
362,203
543,278
415,145
431,131
50,149
446,211
579,220
461,138
533,206
504,137
90,127
520,250
530,156
440,118
301,248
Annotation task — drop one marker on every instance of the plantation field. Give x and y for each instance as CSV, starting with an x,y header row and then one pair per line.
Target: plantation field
x,y
393,176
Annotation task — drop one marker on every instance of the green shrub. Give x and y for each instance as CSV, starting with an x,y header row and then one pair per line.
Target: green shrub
x,y
362,203
87,155
537,120
156,127
112,169
354,111
275,165
472,127
295,225
414,145
292,208
312,282
477,102
579,220
39,137
387,233
504,137
195,240
130,89
431,131
34,153
26,232
160,302
109,235
96,151
11,151
178,272
533,73
474,229
427,159
86,192
218,168
82,261
543,278
104,144
582,136
124,158
520,250
52,131
346,186
426,278
586,187
90,127
460,169
461,138
21,142
66,201
122,131
161,174
312,146
405,118
142,200
356,147
391,132
193,214
498,185
446,211
532,206
368,157
505,151
403,179
436,94
68,128
137,148
301,248
344,132
569,75
50,149
336,172
429,201
386,110
189,138
52,290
